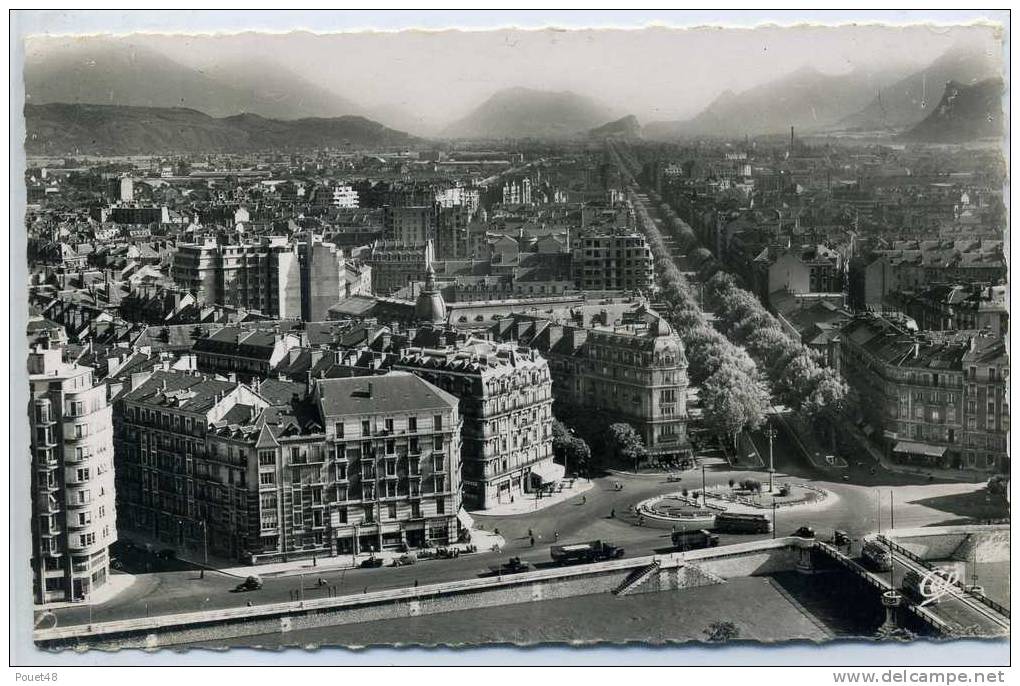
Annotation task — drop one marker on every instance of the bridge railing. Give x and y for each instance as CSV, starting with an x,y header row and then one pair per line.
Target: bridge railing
x,y
922,613
980,597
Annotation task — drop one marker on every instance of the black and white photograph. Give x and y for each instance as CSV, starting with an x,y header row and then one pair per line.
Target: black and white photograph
x,y
671,336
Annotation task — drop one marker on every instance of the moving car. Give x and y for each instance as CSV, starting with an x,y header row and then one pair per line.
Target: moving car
x,y
514,565
252,583
371,562
804,532
697,538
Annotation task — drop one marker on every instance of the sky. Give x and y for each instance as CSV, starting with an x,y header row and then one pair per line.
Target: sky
x,y
656,73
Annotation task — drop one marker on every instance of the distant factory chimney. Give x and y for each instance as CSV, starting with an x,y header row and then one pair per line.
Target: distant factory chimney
x,y
791,139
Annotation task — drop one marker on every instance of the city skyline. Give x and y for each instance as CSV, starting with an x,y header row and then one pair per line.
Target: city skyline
x,y
734,368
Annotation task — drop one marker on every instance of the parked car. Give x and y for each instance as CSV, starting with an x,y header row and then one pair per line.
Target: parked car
x,y
804,532
840,537
405,560
252,583
371,562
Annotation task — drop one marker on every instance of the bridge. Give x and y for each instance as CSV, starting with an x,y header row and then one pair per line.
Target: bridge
x,y
962,611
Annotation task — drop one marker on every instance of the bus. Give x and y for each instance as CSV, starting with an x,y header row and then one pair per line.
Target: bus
x,y
877,555
733,523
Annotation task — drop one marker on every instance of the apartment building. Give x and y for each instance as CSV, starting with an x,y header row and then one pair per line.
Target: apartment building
x,y
624,366
612,261
73,490
506,405
348,466
935,399
302,279
410,225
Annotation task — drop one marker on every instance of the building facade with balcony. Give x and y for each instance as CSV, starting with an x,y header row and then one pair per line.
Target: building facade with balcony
x,y
73,490
350,466
612,261
633,370
936,399
506,406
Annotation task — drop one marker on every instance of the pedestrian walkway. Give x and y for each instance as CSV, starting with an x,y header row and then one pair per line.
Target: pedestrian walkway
x,y
527,503
483,541
117,583
964,475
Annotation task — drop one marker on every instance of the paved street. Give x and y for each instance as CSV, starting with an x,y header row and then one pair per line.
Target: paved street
x,y
854,508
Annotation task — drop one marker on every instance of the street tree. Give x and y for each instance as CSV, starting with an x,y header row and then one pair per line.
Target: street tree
x,y
625,444
732,401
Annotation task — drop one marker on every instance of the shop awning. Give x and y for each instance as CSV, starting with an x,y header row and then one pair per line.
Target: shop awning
x,y
920,449
547,471
465,519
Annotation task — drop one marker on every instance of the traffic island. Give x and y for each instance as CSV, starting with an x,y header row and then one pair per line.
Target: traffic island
x,y
697,508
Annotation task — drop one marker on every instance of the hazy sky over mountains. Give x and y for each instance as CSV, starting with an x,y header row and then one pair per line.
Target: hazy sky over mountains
x,y
655,74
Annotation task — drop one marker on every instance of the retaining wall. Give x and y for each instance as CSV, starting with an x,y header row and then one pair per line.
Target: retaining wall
x,y
989,542
676,571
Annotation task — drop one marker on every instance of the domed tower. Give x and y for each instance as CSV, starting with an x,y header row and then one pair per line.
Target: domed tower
x,y
430,306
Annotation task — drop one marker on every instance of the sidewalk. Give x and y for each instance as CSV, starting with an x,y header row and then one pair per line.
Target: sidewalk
x,y
963,475
481,539
117,584
530,502
708,461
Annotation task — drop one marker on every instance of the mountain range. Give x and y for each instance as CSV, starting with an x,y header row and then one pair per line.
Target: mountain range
x,y
60,128
893,99
909,100
527,113
117,72
965,113
806,99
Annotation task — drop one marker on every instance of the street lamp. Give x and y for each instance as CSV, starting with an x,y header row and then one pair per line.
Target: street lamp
x,y
770,433
704,488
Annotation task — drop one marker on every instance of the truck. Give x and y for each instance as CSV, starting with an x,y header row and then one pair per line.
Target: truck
x,y
694,539
592,551
735,523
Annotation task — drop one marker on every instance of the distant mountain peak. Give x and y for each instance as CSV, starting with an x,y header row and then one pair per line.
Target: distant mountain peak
x,y
521,112
965,112
625,127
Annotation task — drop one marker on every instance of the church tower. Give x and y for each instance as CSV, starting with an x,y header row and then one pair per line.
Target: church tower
x,y
430,306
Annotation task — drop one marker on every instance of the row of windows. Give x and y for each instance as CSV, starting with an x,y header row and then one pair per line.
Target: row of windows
x,y
366,425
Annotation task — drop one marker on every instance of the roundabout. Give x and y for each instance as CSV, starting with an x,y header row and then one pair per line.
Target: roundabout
x,y
697,508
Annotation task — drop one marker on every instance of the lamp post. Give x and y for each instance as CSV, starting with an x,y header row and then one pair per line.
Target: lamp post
x,y
770,433
205,550
704,488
